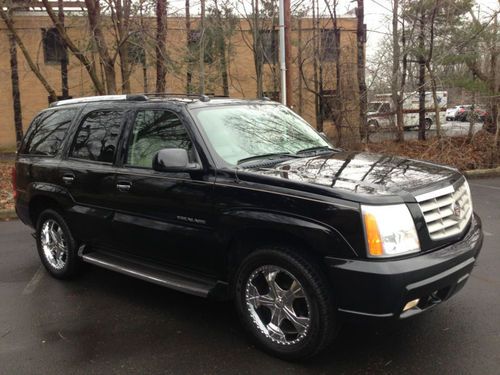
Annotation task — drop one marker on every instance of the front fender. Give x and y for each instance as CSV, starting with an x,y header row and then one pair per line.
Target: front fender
x,y
318,237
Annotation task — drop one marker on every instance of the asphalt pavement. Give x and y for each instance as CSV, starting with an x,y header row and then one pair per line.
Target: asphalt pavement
x,y
448,129
106,323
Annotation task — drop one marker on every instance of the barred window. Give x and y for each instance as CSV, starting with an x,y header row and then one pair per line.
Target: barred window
x,y
53,46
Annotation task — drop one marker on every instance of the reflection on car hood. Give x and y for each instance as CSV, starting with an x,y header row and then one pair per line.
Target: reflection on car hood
x,y
361,172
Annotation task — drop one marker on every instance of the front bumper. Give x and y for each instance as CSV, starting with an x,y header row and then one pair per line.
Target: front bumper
x,y
382,288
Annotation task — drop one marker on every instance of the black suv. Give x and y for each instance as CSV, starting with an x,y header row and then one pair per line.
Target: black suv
x,y
241,199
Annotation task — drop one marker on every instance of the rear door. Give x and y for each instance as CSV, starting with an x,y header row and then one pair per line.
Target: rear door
x,y
88,172
163,216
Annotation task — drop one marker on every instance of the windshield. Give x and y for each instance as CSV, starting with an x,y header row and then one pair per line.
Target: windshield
x,y
238,132
373,106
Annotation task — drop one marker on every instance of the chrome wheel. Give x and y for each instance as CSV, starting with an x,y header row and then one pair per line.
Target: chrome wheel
x,y
278,305
54,246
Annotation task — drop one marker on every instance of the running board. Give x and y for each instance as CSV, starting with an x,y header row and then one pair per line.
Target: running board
x,y
186,284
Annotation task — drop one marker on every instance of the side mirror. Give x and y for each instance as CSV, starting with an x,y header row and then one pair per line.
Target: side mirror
x,y
173,160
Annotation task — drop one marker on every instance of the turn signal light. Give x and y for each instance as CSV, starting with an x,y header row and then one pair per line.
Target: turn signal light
x,y
411,304
373,235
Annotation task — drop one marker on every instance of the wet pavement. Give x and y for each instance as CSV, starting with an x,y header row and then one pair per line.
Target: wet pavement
x,y
448,129
105,323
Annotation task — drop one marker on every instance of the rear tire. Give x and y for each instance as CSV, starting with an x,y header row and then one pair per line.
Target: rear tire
x,y
373,126
427,123
56,246
284,302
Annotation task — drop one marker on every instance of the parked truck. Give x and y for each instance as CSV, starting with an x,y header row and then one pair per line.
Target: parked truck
x,y
382,111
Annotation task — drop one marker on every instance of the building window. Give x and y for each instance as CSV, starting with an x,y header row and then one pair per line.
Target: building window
x,y
270,48
328,45
53,46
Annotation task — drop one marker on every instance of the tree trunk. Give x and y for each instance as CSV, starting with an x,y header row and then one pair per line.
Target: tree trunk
x,y
34,68
202,49
299,57
437,109
361,41
122,26
145,80
431,72
189,74
161,46
396,54
94,16
421,78
471,118
16,94
317,97
64,60
88,64
257,48
338,111
288,54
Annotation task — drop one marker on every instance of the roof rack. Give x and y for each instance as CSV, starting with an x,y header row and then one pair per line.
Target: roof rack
x,y
133,97
100,98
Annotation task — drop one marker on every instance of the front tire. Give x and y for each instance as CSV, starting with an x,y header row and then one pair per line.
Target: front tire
x,y
284,302
56,246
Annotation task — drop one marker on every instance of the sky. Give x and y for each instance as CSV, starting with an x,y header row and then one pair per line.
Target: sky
x,y
378,19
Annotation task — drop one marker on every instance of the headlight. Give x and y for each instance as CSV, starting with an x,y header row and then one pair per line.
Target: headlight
x,y
390,230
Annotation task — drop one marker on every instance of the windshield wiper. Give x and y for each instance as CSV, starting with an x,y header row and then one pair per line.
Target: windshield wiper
x,y
317,148
274,155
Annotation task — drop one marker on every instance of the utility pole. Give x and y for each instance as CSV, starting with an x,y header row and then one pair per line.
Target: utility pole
x,y
288,54
64,58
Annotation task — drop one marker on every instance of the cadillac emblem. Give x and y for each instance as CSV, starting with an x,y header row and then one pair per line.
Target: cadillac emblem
x,y
457,211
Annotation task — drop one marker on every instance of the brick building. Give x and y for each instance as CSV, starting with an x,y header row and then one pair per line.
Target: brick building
x,y
34,28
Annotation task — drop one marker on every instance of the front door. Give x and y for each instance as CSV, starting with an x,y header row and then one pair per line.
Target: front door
x,y
165,217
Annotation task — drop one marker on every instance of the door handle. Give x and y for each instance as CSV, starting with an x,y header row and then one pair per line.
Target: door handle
x,y
68,178
123,186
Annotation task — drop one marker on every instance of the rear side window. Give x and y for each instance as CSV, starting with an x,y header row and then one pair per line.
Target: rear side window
x,y
48,131
153,131
97,137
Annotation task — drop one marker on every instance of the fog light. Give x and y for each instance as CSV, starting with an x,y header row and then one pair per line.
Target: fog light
x,y
411,304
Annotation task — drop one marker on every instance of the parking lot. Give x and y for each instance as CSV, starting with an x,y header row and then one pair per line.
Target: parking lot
x,y
449,129
105,323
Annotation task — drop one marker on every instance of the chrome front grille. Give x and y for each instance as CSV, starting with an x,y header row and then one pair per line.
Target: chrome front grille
x,y
446,211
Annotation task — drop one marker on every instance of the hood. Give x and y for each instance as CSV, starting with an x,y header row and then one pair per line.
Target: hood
x,y
362,173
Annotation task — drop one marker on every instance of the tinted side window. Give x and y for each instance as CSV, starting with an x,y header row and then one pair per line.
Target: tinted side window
x,y
153,131
48,131
97,136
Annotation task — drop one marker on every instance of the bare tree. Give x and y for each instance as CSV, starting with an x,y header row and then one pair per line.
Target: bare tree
x,y
396,71
77,52
202,49
14,36
361,68
94,16
120,15
161,45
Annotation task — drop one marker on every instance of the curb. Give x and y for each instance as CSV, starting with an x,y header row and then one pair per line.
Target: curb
x,y
482,173
8,214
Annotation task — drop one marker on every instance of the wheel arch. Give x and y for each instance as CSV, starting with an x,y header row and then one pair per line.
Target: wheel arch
x,y
311,239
